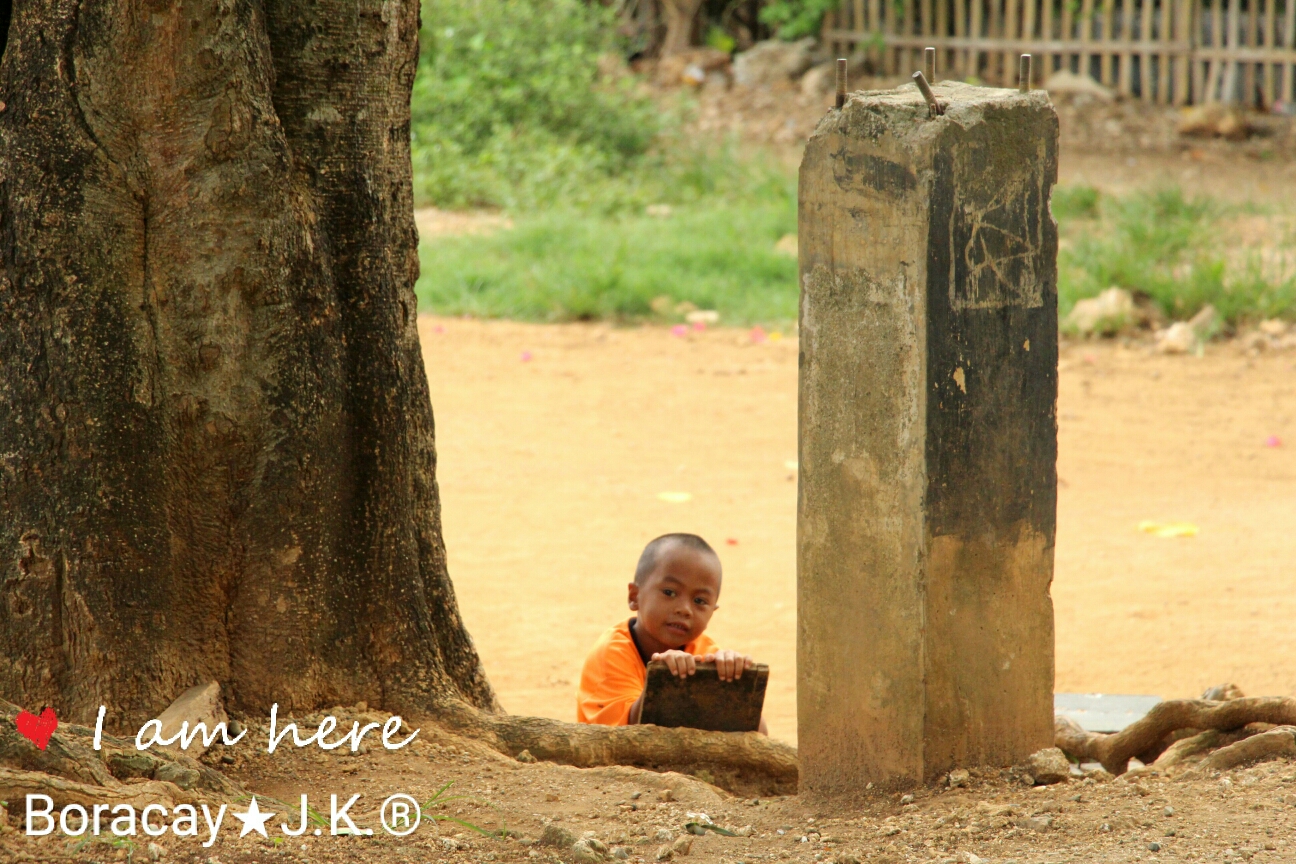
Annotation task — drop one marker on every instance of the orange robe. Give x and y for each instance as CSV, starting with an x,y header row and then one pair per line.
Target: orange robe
x,y
614,676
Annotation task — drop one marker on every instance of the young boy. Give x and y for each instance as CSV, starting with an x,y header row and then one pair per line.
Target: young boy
x,y
675,591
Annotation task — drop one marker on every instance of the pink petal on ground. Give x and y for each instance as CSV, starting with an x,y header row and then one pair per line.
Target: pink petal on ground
x,y
679,330
699,325
526,356
758,334
1273,441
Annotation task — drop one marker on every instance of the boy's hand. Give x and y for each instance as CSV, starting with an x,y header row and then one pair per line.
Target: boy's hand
x,y
680,663
729,664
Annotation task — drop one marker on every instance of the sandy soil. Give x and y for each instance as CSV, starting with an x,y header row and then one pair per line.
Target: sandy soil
x,y
551,467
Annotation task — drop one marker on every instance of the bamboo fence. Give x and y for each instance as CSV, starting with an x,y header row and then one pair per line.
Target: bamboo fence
x,y
1166,51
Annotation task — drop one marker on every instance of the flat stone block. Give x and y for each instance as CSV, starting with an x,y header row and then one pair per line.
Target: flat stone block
x,y
928,436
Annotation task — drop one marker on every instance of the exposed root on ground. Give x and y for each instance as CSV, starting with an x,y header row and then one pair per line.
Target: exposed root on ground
x,y
1232,726
741,762
71,771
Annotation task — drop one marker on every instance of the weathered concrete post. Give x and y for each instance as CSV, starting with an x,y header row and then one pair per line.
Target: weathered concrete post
x,y
928,436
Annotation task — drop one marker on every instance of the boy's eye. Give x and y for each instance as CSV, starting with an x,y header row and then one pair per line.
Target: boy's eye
x,y
701,601
669,592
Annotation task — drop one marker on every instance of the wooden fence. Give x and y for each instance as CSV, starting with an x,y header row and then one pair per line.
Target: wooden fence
x,y
1167,51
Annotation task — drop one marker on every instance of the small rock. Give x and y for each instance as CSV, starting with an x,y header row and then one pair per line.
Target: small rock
x,y
906,799
589,851
664,835
155,851
1049,766
198,704
744,831
635,796
1178,338
1223,693
1169,811
1034,823
1081,87
557,836
550,796
772,61
1274,328
1214,120
1110,312
845,858
622,852
666,795
682,845
525,756
958,777
665,853
1154,846
1028,779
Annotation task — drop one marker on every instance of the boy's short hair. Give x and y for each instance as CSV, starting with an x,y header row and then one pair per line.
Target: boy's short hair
x,y
648,558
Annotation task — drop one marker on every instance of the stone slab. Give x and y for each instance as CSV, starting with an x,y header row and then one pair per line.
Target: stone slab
x,y
1103,712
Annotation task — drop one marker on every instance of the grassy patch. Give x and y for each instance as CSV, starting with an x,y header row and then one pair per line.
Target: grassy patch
x,y
573,266
1180,253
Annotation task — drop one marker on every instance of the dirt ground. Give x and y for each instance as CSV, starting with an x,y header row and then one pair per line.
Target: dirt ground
x,y
1243,815
551,469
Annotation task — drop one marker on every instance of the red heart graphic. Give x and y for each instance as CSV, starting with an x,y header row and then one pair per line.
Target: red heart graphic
x,y
37,729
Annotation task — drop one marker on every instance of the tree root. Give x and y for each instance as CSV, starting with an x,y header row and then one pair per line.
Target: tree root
x,y
741,762
1114,751
1276,743
71,771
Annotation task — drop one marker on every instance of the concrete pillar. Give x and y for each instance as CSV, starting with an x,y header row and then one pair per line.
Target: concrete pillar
x,y
928,437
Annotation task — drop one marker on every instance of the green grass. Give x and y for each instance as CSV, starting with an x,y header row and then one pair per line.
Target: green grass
x,y
1168,248
573,266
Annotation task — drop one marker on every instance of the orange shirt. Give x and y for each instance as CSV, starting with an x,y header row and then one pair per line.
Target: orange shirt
x,y
614,676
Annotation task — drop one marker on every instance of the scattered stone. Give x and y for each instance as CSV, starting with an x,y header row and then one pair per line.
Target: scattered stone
x,y
155,851
682,845
1169,811
1028,779
906,799
550,796
557,836
773,61
1215,120
1223,693
525,756
1184,336
845,858
744,831
703,316
1081,88
198,704
958,777
1110,312
666,795
665,853
664,835
588,851
622,852
1034,823
1274,328
1154,846
1049,766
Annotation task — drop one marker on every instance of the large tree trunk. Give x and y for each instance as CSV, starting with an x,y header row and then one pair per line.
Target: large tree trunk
x,y
216,444
680,17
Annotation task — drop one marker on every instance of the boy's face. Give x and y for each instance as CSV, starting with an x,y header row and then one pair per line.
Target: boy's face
x,y
676,600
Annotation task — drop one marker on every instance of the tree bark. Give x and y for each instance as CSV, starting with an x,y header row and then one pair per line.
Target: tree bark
x,y
680,16
217,443
217,455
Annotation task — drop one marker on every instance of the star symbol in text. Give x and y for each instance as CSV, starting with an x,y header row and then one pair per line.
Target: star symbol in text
x,y
253,820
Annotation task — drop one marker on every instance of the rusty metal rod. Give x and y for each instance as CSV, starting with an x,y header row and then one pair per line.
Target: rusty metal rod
x,y
841,83
1024,74
934,108
929,64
